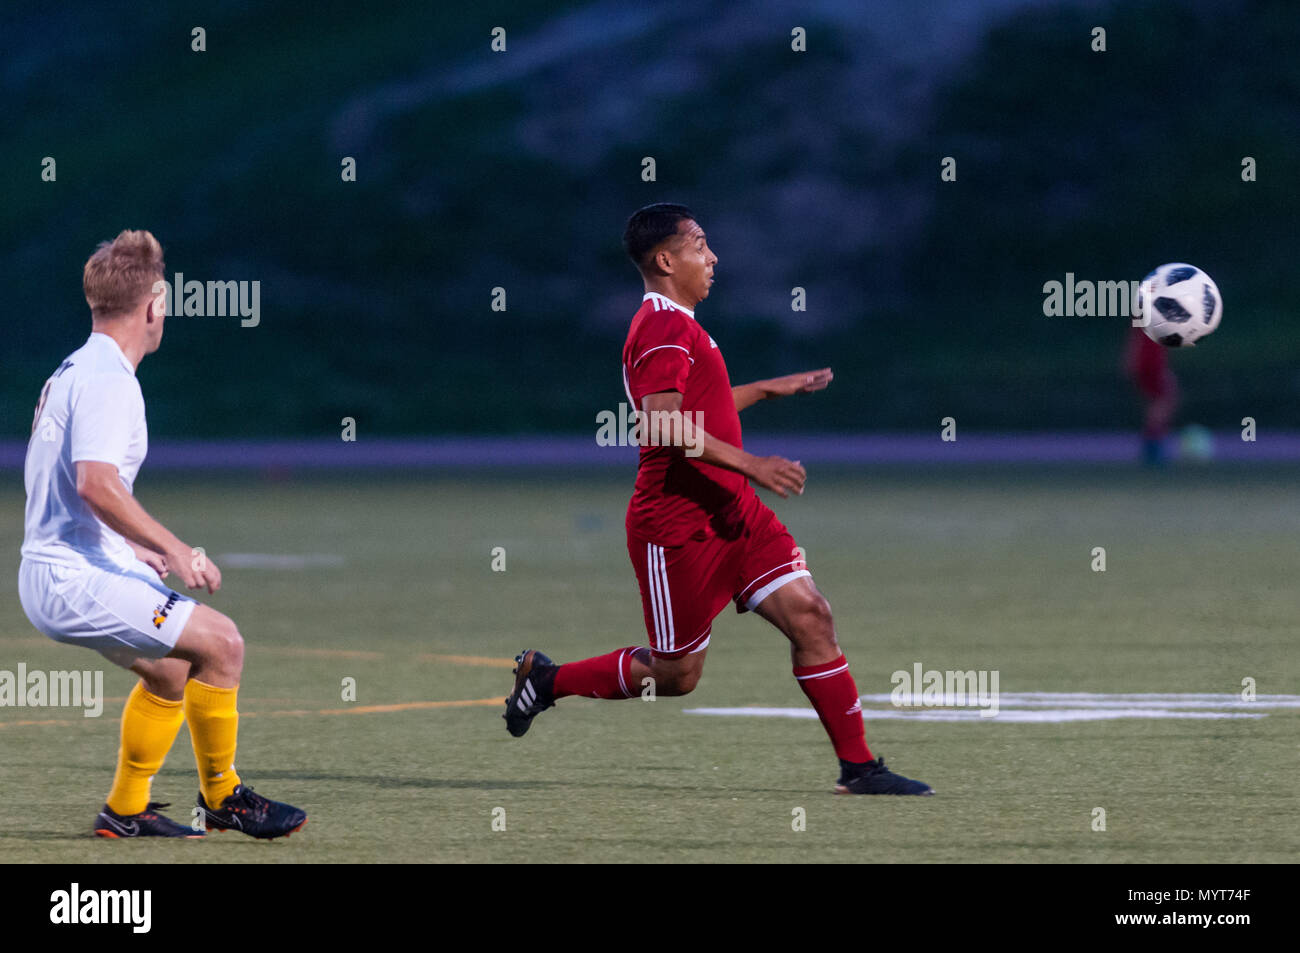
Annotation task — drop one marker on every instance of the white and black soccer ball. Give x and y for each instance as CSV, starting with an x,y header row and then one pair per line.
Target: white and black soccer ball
x,y
1179,304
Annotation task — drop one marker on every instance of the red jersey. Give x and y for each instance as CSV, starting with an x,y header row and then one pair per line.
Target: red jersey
x,y
678,497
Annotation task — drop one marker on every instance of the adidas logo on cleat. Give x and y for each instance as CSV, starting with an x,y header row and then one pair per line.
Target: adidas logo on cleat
x,y
534,677
526,697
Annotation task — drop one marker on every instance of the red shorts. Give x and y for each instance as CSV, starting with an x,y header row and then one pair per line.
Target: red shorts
x,y
683,588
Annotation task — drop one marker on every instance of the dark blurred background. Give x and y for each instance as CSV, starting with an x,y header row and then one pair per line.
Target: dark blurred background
x,y
818,169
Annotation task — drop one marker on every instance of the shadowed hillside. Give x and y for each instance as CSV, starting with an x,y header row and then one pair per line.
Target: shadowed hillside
x,y
820,169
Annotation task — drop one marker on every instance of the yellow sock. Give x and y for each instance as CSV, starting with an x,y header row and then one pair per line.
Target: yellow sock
x,y
214,727
149,726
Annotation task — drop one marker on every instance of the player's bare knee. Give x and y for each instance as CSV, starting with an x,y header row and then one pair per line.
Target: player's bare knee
x,y
222,647
232,645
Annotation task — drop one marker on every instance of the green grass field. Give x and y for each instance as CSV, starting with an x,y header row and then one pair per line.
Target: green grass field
x,y
971,569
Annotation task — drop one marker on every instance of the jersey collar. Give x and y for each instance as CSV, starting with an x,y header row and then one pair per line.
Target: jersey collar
x,y
106,340
665,301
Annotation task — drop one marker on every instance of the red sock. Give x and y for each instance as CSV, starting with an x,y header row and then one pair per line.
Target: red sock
x,y
830,688
605,676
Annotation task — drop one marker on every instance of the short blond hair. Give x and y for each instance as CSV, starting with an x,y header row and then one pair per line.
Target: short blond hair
x,y
121,272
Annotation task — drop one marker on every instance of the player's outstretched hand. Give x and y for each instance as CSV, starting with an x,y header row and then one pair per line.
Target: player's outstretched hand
x,y
212,576
805,382
779,475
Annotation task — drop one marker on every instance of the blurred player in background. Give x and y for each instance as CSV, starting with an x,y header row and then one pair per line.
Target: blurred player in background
x,y
1146,364
698,535
93,563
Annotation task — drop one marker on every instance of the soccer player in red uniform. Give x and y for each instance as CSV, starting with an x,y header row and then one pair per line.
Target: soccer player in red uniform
x,y
1147,365
698,535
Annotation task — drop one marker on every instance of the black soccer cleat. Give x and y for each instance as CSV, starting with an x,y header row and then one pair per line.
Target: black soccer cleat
x,y
246,811
534,691
148,823
874,778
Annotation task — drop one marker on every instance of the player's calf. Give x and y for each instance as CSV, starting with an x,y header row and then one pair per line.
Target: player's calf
x,y
214,648
670,677
810,627
163,677
623,673
804,615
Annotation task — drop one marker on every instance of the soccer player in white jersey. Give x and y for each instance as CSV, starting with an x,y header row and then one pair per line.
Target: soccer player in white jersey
x,y
94,560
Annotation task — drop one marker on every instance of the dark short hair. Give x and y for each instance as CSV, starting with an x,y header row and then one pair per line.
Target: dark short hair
x,y
651,225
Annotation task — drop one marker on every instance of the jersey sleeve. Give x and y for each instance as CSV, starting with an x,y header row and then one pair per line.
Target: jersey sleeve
x,y
103,419
662,358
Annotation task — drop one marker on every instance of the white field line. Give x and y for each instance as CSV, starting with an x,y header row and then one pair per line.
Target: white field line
x,y
1092,700
1025,707
1156,696
973,714
289,561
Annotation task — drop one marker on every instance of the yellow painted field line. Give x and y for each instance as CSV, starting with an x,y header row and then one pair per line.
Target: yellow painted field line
x,y
303,712
378,709
467,660
297,650
365,654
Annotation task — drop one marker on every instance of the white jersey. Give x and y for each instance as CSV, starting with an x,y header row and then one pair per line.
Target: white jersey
x,y
90,409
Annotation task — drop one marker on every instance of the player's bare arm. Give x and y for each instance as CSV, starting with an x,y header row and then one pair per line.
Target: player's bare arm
x,y
804,382
99,485
668,427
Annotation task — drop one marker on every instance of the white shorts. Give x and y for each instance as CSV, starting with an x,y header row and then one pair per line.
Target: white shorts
x,y
123,614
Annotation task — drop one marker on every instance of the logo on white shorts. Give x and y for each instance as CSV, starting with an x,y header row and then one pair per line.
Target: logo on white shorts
x,y
160,612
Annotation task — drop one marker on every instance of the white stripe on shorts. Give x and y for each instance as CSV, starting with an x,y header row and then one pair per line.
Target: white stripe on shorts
x,y
668,599
761,594
656,605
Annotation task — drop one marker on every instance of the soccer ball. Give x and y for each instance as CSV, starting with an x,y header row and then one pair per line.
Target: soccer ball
x,y
1179,304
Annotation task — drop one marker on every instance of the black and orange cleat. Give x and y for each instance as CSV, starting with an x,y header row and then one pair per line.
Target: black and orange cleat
x,y
248,812
534,691
148,823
